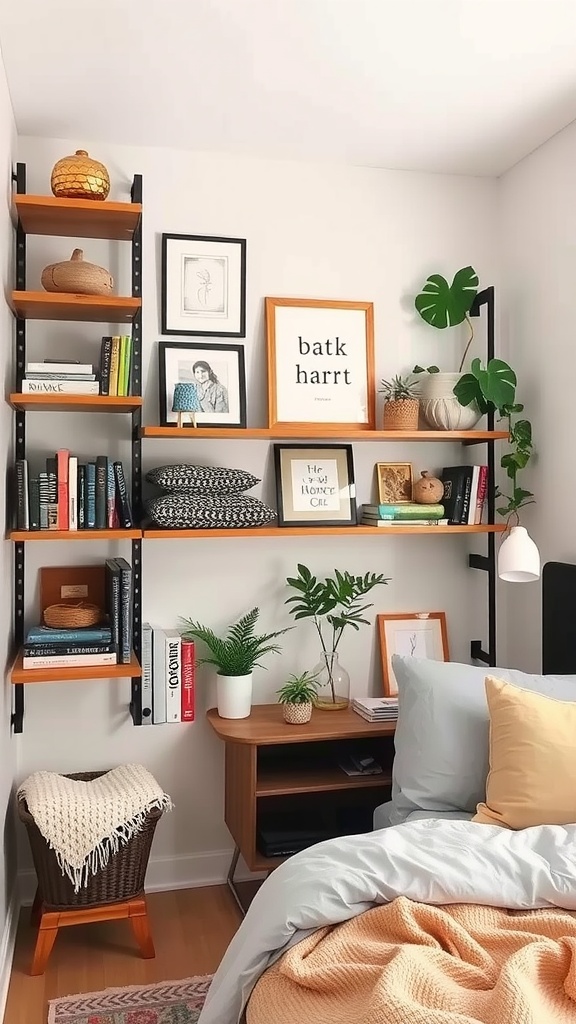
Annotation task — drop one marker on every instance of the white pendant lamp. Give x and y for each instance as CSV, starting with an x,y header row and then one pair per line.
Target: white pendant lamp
x,y
518,557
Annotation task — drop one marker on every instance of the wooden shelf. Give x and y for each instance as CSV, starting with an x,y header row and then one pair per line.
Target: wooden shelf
x,y
77,218
65,675
321,434
74,403
153,533
266,727
320,780
112,309
49,535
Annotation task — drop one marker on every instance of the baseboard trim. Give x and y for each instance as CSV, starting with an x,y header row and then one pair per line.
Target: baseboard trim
x,y
164,873
7,944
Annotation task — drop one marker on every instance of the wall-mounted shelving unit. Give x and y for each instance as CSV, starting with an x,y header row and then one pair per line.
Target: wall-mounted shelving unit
x,y
77,218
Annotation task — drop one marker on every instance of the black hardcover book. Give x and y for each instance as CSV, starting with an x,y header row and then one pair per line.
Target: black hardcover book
x,y
113,599
101,478
122,501
82,503
454,480
105,359
51,470
34,502
466,496
22,507
125,610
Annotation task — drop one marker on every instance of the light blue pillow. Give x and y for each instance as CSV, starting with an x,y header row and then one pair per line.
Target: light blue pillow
x,y
441,741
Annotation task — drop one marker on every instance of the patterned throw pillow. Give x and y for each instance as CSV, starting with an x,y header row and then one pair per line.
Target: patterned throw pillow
x,y
189,512
201,480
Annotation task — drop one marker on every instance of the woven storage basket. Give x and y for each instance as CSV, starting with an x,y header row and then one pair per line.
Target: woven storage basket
x,y
401,414
72,616
121,880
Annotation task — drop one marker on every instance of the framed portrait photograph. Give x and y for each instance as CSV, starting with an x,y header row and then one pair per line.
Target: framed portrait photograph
x,y
204,286
315,485
320,363
412,634
394,482
215,379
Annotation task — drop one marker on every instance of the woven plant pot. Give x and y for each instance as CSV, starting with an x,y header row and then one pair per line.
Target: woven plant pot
x,y
121,880
77,277
79,176
72,616
297,714
401,414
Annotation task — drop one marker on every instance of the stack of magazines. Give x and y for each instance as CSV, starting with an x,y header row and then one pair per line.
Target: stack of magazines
x,y
376,709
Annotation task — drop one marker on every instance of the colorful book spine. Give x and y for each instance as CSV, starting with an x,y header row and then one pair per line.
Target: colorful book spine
x,y
73,493
409,510
65,650
125,571
22,496
70,661
158,682
48,635
122,501
105,357
147,670
113,599
62,457
90,495
173,675
81,497
101,486
44,500
114,366
52,473
482,494
188,681
110,495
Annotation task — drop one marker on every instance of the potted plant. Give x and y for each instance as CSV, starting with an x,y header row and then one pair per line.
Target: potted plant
x,y
401,403
235,656
297,697
335,602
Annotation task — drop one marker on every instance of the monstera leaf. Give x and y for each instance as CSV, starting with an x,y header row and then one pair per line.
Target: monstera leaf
x,y
494,384
444,305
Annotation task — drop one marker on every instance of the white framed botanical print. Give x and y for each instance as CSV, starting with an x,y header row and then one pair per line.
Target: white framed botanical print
x,y
412,634
204,286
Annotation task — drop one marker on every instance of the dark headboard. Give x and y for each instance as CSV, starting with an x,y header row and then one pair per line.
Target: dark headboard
x,y
559,618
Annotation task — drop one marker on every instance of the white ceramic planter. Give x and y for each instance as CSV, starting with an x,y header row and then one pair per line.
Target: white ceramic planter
x,y
297,714
441,408
234,696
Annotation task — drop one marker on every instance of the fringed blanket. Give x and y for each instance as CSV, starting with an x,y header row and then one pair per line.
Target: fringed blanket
x,y
408,963
85,822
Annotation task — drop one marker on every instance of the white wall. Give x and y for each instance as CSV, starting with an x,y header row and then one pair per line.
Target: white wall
x,y
7,744
312,230
537,218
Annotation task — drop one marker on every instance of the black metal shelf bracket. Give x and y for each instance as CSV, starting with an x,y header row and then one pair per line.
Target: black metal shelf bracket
x,y
17,718
487,562
136,252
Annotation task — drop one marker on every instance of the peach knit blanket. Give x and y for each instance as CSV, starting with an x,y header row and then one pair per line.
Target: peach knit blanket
x,y
409,963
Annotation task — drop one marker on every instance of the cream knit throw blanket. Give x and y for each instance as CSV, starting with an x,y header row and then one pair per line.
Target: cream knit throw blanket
x,y
85,822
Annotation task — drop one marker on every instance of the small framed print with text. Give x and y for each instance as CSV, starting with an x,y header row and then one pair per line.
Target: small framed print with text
x,y
412,634
315,485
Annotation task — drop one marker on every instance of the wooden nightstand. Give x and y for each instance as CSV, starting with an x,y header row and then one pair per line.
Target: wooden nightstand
x,y
274,770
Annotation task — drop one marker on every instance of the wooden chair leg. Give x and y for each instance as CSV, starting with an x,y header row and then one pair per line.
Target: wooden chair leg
x,y
138,914
47,933
36,911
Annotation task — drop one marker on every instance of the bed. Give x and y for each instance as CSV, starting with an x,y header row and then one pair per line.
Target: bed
x,y
460,906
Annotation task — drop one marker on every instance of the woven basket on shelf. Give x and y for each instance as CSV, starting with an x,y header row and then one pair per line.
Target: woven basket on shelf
x,y
121,880
401,414
72,616
77,277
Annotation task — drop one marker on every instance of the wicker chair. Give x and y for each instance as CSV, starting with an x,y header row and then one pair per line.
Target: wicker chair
x,y
114,892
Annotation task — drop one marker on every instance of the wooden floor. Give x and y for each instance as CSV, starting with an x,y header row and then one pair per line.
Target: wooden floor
x,y
191,929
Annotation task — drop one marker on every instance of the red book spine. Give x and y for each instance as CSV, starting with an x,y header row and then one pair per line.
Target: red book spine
x,y
482,491
188,680
62,457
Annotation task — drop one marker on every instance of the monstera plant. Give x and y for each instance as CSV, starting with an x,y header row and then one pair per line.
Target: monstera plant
x,y
481,388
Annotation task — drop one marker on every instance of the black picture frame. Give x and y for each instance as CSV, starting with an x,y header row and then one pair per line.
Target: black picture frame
x,y
342,455
205,352
216,249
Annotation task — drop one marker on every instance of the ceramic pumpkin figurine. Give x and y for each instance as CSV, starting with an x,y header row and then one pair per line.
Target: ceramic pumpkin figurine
x,y
428,490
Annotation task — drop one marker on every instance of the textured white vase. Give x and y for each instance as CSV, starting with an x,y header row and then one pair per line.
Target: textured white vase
x,y
234,696
441,408
297,714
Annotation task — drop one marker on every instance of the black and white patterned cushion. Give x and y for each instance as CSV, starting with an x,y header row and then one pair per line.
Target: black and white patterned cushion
x,y
201,480
189,512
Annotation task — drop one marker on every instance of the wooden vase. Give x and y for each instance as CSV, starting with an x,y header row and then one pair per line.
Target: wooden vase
x,y
77,277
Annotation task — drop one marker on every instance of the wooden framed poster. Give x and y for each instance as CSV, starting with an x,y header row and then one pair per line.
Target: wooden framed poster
x,y
320,363
412,634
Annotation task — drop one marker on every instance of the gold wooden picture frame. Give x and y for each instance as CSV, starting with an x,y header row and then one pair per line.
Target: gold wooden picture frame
x,y
413,634
395,482
320,365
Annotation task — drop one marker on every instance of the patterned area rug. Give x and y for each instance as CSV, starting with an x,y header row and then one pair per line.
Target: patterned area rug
x,y
169,1002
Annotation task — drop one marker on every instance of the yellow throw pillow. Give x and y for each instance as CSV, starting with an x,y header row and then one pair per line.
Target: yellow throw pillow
x,y
532,777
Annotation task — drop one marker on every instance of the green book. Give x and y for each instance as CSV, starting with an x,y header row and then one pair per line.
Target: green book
x,y
409,510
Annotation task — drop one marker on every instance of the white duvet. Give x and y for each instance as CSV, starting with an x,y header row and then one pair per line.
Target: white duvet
x,y
432,861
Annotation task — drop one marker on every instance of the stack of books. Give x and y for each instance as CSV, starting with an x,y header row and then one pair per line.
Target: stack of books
x,y
116,365
71,495
60,377
168,676
68,648
376,709
407,513
465,493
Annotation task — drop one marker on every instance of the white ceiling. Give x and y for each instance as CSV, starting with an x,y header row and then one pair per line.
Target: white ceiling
x,y
464,86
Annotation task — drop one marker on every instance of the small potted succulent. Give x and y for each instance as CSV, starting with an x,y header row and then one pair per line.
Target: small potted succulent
x,y
297,698
234,656
401,403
